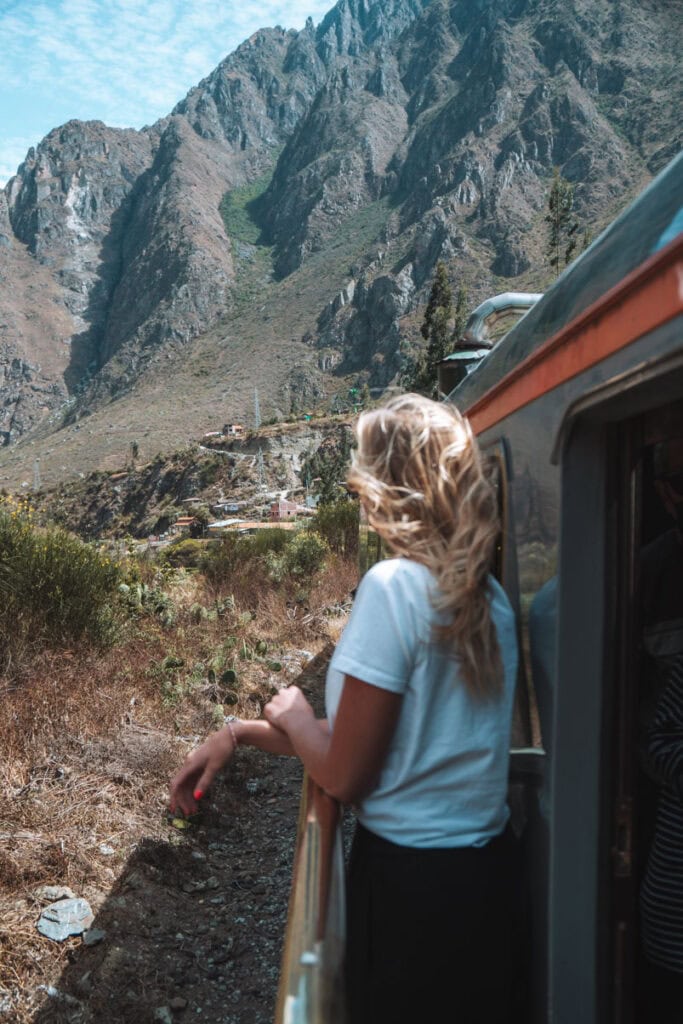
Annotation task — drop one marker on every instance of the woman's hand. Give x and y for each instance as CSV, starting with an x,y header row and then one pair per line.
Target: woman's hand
x,y
199,770
288,709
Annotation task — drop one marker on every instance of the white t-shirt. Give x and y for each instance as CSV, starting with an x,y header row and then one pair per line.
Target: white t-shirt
x,y
444,781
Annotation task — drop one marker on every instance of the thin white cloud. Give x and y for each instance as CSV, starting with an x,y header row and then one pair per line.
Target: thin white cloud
x,y
118,61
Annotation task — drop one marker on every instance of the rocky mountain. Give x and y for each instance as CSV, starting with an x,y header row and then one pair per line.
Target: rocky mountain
x,y
280,227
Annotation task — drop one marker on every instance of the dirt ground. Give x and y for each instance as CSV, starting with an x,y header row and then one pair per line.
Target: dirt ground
x,y
193,918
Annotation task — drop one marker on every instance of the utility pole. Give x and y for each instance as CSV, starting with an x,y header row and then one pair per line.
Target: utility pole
x,y
36,475
259,463
257,410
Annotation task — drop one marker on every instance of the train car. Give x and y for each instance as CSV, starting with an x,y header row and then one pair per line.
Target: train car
x,y
580,406
578,402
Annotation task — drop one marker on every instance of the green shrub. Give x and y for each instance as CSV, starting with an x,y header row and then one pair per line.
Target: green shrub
x,y
238,553
303,556
274,539
338,525
184,554
306,553
238,208
54,589
210,470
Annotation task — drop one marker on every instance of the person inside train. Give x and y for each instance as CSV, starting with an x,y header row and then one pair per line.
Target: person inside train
x,y
661,750
419,697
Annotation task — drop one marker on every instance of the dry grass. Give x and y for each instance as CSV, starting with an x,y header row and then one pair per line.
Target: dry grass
x,y
89,740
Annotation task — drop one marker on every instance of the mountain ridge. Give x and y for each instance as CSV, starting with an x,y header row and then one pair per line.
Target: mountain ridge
x,y
389,137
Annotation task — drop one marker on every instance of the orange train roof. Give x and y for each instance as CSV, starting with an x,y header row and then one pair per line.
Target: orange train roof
x,y
648,297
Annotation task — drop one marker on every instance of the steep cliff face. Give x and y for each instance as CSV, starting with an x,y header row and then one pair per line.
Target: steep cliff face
x,y
256,96
68,203
319,183
458,127
63,218
392,135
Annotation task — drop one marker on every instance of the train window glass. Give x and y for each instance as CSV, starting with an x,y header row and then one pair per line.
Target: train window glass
x,y
496,473
526,731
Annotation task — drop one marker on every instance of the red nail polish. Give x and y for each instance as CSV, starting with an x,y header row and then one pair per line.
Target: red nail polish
x,y
198,794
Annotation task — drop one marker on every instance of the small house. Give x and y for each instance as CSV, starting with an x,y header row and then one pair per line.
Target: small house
x,y
185,523
283,509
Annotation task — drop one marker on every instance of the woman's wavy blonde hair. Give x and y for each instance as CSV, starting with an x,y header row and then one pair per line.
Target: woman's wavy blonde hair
x,y
420,477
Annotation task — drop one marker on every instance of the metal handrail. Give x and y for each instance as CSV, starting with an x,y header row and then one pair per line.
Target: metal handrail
x,y
311,987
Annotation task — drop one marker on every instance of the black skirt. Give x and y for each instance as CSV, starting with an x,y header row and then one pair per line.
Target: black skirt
x,y
433,935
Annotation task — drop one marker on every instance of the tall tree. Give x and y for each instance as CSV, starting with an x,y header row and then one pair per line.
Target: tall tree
x,y
329,464
437,316
459,316
421,374
563,225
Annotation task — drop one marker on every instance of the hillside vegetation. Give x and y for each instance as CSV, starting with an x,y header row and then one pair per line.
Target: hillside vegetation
x,y
113,666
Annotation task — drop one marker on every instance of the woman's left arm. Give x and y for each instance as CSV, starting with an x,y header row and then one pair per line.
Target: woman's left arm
x,y
346,762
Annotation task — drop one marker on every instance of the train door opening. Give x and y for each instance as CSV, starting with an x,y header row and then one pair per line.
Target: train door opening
x,y
616,885
646,847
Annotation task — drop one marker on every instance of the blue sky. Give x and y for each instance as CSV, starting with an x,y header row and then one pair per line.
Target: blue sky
x,y
124,62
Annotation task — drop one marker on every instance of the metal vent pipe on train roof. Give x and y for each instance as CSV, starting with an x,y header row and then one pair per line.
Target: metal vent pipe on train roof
x,y
474,344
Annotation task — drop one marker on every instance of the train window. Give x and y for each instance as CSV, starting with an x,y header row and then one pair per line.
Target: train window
x,y
497,475
526,723
499,469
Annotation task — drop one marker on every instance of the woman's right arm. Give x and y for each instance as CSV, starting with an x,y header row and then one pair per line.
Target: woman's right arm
x,y
203,764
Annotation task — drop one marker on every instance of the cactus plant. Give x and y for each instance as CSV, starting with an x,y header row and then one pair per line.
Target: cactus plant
x,y
198,613
171,661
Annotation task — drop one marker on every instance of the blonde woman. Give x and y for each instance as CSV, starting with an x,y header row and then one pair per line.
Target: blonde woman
x,y
419,700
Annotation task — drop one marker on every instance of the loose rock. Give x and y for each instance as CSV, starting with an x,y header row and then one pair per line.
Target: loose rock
x,y
64,918
51,893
